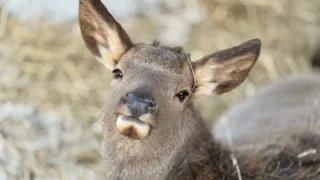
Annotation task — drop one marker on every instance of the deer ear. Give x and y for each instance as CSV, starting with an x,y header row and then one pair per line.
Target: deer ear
x,y
102,34
224,70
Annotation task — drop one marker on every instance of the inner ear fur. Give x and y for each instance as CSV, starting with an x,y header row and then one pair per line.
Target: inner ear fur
x,y
224,70
103,35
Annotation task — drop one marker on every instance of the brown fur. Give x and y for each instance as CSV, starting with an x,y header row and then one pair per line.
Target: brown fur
x,y
179,146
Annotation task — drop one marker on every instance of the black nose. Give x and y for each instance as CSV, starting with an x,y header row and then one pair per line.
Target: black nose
x,y
139,104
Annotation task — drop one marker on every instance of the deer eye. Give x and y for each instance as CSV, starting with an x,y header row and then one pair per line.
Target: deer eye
x,y
117,73
182,95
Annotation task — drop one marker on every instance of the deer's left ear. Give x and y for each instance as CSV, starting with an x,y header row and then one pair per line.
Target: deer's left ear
x,y
103,35
224,70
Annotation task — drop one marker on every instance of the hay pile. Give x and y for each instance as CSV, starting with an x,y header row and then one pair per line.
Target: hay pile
x,y
52,88
51,93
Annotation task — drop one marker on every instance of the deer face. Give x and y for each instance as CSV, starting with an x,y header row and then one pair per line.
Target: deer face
x,y
152,85
149,88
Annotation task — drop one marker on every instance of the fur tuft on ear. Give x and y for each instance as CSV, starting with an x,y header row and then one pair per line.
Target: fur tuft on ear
x,y
102,34
224,70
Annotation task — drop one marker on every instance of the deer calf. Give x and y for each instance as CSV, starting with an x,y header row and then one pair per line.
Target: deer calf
x,y
276,133
151,128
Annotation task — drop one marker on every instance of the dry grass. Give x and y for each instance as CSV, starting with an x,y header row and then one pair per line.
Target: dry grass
x,y
50,72
50,69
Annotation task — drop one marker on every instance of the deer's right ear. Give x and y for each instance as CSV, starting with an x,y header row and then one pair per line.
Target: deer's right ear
x,y
102,34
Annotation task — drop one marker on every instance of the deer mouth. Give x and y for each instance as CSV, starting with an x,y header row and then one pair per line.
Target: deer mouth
x,y
132,127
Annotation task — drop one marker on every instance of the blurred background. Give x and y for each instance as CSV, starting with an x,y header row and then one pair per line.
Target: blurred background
x,y
52,89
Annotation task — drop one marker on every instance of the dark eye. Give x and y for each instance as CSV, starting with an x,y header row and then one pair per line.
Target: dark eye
x,y
117,73
182,95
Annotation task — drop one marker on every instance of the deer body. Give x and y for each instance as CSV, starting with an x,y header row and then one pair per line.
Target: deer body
x,y
151,128
283,109
279,126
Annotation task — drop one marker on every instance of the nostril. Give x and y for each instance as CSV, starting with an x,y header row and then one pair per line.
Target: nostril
x,y
129,99
151,109
149,103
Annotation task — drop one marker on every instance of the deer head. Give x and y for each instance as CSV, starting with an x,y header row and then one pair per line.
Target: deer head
x,y
153,85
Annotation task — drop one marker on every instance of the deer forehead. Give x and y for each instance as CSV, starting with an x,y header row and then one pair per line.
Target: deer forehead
x,y
156,57
155,78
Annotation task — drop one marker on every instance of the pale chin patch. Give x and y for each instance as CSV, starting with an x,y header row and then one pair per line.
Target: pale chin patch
x,y
132,128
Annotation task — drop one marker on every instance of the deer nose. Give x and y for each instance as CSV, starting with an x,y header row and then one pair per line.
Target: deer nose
x,y
139,105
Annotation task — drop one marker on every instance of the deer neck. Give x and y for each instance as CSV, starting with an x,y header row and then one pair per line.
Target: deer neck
x,y
134,159
201,153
